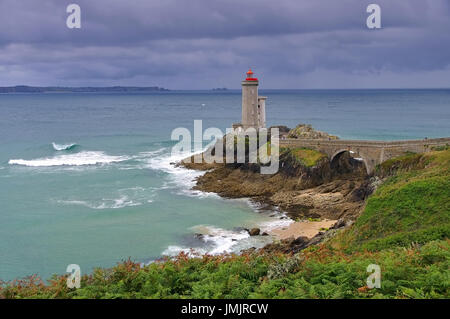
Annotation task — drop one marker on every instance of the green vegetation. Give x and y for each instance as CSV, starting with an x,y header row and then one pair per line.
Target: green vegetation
x,y
318,272
305,156
393,165
441,148
413,205
404,229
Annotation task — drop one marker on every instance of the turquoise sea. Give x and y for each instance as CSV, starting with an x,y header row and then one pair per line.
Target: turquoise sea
x,y
87,178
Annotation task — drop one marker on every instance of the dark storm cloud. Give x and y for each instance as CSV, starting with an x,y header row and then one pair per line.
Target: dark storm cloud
x,y
205,43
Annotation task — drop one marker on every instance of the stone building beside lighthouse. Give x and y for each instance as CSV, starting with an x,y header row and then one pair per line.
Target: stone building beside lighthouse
x,y
253,105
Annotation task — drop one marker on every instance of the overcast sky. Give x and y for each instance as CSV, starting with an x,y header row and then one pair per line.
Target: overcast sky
x,y
201,44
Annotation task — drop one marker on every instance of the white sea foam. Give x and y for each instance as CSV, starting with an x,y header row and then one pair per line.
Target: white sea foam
x,y
126,197
276,222
215,240
121,202
140,161
63,147
174,250
221,240
218,241
275,217
78,159
179,178
151,153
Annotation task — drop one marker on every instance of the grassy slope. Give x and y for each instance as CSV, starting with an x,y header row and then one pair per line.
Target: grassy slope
x,y
308,157
305,156
411,207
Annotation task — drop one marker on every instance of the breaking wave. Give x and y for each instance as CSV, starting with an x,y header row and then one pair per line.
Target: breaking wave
x,y
179,178
64,147
78,159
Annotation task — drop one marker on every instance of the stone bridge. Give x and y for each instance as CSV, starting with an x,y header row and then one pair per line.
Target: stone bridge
x,y
371,153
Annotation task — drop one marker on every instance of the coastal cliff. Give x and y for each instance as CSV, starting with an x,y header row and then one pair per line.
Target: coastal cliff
x,y
307,184
317,190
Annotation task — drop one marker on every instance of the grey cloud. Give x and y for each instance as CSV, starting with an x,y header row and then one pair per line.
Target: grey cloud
x,y
204,43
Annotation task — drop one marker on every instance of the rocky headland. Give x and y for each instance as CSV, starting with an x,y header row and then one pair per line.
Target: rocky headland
x,y
317,194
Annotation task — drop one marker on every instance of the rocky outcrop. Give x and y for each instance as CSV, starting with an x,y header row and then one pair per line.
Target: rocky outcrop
x,y
335,191
305,131
318,192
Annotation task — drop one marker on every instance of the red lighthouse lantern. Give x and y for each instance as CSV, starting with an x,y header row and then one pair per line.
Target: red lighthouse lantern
x,y
250,76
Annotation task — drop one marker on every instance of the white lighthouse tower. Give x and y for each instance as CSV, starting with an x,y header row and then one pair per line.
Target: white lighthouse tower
x,y
253,106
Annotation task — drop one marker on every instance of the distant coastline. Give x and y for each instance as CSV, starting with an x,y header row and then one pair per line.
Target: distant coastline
x,y
56,89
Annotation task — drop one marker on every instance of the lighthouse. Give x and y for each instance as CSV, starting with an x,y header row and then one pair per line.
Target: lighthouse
x,y
253,106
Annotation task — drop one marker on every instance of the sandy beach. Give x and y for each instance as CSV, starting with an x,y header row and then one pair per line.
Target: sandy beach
x,y
304,228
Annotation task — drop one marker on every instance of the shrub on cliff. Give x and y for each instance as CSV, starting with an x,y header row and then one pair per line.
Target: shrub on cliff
x,y
320,272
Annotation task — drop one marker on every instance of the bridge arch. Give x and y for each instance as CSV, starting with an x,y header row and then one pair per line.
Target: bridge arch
x,y
338,153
